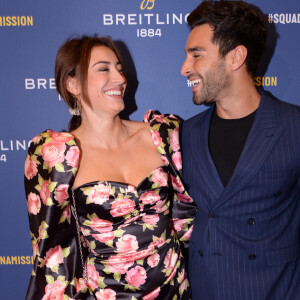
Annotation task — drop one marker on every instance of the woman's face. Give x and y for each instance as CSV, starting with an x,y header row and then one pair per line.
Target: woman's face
x,y
105,82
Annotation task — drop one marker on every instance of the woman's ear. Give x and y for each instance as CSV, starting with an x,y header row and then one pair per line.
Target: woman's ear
x,y
73,86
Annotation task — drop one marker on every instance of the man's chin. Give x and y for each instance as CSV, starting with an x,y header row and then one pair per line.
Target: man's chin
x,y
200,101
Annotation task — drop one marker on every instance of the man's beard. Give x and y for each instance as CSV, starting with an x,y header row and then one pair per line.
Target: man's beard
x,y
213,82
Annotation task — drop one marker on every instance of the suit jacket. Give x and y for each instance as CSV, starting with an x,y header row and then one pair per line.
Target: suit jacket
x,y
245,243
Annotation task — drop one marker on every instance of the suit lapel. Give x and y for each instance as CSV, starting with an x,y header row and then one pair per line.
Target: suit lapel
x,y
202,157
262,137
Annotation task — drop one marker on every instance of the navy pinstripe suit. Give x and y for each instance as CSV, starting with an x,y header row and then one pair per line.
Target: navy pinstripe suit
x,y
245,243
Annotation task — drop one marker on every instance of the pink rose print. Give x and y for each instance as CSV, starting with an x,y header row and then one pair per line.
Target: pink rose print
x,y
33,203
80,284
177,184
151,219
160,118
130,220
160,177
100,225
174,139
187,235
184,198
157,243
149,197
62,137
130,189
173,273
117,264
30,168
99,194
153,260
127,243
104,237
157,140
54,291
41,230
147,115
177,160
165,160
122,207
61,193
93,276
184,283
44,192
136,276
72,156
67,212
170,259
152,295
53,153
54,257
179,224
35,249
106,294
160,206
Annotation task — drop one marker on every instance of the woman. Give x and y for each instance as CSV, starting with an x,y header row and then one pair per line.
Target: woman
x,y
108,212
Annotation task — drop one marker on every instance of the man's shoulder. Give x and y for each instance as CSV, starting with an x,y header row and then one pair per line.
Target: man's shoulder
x,y
285,109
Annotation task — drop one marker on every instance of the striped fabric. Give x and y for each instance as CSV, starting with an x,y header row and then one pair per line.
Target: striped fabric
x,y
245,243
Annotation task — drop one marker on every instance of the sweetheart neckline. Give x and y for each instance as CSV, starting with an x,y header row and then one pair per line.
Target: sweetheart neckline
x,y
136,187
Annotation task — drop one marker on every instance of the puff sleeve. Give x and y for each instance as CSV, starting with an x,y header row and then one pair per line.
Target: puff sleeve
x,y
50,168
165,135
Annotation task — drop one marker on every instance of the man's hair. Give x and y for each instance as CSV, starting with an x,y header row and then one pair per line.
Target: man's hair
x,y
234,23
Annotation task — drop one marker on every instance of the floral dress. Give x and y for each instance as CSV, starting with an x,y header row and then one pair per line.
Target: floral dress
x,y
131,237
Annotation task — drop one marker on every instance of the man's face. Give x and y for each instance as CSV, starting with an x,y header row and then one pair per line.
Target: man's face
x,y
204,67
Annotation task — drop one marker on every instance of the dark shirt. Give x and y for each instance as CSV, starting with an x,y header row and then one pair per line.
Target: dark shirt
x,y
226,141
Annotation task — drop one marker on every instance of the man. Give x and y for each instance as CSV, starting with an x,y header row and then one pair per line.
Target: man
x,y
241,161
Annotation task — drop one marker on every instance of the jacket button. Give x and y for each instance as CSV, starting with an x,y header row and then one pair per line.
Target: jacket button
x,y
252,257
200,252
251,221
277,194
211,215
187,186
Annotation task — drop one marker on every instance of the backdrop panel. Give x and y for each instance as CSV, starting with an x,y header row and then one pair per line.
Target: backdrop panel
x,y
151,36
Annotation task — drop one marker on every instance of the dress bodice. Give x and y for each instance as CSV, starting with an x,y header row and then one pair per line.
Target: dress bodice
x,y
108,210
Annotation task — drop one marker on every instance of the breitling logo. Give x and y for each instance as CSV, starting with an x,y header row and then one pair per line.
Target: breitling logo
x,y
149,4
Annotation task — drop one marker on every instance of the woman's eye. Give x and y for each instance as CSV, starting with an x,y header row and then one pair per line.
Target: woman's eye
x,y
103,69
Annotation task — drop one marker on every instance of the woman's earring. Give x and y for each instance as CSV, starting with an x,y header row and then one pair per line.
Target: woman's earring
x,y
75,111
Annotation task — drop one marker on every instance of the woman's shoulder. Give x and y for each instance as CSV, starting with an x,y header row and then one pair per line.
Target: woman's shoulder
x,y
53,146
52,136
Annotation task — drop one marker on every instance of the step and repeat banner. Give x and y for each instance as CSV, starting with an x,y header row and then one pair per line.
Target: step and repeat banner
x,y
151,36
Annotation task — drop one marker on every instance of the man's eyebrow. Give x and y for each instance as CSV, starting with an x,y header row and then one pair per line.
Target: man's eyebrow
x,y
195,49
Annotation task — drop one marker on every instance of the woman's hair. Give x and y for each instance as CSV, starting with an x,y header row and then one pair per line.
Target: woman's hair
x,y
72,59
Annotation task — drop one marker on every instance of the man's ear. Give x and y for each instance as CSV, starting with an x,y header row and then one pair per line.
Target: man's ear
x,y
73,86
237,57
